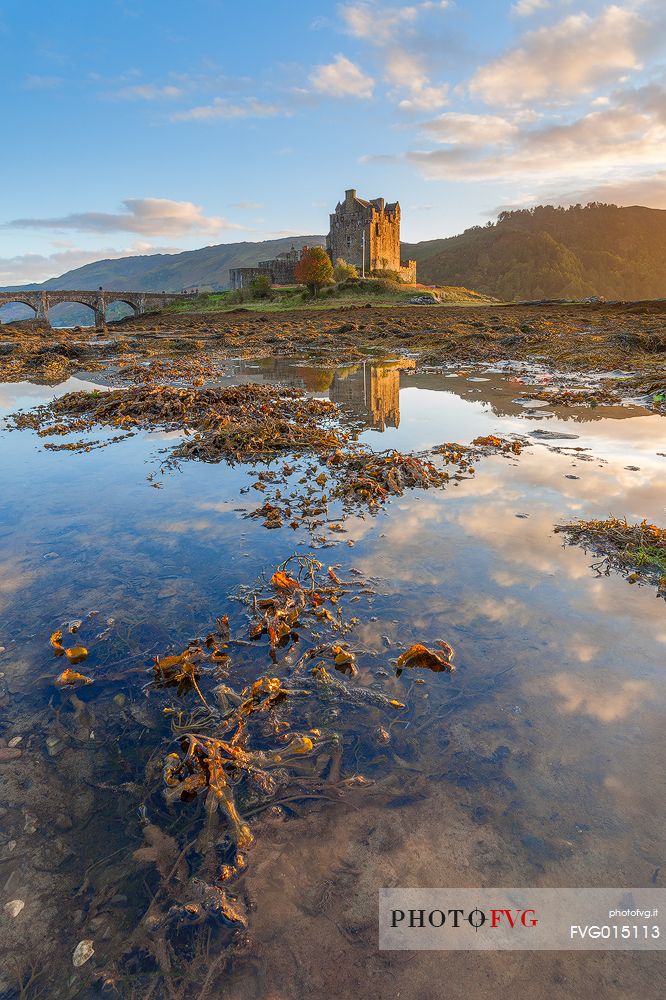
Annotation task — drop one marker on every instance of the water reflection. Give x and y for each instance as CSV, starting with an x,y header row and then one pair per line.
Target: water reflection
x,y
538,762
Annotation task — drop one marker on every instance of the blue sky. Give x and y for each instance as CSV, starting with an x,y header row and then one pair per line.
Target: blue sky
x,y
133,126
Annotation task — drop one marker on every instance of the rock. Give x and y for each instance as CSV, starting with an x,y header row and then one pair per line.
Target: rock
x,y
553,436
83,951
15,740
9,753
14,907
423,300
54,745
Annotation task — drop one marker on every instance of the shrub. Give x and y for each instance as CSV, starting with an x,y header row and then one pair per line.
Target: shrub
x,y
260,287
344,271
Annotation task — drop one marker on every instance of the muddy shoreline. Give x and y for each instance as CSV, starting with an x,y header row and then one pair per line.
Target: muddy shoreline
x,y
623,344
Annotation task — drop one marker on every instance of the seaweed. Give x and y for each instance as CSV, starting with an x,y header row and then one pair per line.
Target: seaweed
x,y
637,551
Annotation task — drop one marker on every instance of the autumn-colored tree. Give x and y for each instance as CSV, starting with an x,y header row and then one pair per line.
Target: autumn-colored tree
x,y
314,269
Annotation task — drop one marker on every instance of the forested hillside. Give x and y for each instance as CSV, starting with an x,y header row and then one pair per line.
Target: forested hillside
x,y
549,252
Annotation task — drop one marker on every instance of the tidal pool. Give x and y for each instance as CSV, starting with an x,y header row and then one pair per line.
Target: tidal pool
x,y
539,761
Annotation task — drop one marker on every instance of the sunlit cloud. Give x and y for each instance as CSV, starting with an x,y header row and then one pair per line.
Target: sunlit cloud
x,y
342,78
564,60
145,216
405,71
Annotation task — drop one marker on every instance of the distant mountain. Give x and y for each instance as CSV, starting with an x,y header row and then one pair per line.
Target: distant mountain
x,y
171,272
547,252
543,252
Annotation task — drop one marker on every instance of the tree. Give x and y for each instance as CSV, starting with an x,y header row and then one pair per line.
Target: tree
x,y
314,269
344,271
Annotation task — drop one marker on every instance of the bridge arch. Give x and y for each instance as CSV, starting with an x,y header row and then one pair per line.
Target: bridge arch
x,y
112,312
18,301
61,313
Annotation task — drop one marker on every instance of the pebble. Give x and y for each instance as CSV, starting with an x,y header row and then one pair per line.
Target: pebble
x,y
9,753
15,740
83,951
14,907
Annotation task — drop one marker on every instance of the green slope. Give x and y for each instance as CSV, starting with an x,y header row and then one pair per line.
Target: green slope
x,y
547,252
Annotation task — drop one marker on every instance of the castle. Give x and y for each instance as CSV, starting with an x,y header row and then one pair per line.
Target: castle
x,y
364,233
367,234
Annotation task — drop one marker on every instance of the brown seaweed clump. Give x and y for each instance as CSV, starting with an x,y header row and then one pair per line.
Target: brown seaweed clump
x,y
638,551
232,422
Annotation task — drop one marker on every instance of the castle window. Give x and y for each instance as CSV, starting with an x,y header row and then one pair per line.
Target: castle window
x,y
349,242
376,229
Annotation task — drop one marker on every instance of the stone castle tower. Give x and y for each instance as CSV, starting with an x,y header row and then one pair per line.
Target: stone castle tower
x,y
367,234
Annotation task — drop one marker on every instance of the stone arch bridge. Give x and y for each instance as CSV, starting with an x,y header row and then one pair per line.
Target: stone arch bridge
x,y
99,301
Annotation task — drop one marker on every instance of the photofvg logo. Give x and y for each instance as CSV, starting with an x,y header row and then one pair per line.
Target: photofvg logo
x,y
531,919
476,918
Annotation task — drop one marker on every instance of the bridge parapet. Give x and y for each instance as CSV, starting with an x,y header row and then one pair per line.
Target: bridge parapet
x,y
141,302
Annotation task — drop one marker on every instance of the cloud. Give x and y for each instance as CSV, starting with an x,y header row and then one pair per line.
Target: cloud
x,y
148,92
145,216
406,72
342,78
473,130
646,189
525,8
374,23
26,268
221,108
611,144
565,60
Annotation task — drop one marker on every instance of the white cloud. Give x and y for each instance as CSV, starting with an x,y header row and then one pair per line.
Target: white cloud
x,y
342,78
374,23
221,108
145,216
456,128
565,60
148,92
405,71
525,8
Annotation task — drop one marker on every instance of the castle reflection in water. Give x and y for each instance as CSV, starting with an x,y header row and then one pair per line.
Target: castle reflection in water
x,y
368,390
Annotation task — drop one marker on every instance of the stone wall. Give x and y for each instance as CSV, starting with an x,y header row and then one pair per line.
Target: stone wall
x,y
280,270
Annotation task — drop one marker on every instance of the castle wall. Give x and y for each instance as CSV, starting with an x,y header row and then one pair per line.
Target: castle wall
x,y
355,218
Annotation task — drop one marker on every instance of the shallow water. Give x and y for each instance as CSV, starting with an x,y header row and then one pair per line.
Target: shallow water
x,y
538,762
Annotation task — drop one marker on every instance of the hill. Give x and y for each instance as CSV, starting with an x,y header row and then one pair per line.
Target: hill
x,y
544,252
548,252
162,272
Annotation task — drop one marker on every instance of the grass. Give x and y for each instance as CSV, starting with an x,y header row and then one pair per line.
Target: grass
x,y
376,292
